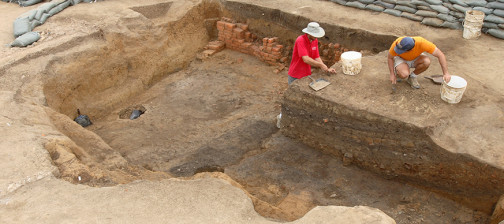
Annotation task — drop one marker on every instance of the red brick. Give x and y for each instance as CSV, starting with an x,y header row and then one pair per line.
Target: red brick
x,y
268,49
229,26
271,40
247,45
238,33
216,45
225,19
220,25
209,52
279,46
325,52
265,41
283,59
275,49
242,26
271,62
270,45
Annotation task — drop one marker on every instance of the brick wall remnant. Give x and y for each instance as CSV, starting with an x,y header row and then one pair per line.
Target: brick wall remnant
x,y
237,36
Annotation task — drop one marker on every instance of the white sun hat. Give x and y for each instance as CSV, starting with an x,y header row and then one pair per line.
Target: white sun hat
x,y
314,29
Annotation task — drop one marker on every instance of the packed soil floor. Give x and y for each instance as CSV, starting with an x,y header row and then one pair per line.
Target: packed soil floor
x,y
218,114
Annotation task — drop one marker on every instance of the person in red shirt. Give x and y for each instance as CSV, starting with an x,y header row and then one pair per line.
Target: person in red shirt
x,y
408,52
306,53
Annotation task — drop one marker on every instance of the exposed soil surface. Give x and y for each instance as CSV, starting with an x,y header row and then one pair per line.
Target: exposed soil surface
x,y
218,114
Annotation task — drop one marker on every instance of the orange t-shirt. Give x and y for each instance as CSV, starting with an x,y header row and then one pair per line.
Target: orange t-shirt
x,y
421,45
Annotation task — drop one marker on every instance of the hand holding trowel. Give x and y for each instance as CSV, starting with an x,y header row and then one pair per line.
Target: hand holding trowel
x,y
321,83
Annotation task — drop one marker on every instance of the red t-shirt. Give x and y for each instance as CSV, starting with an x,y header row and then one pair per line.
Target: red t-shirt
x,y
303,47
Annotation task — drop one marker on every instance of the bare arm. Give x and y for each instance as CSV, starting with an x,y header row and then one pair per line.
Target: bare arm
x,y
317,62
442,61
390,60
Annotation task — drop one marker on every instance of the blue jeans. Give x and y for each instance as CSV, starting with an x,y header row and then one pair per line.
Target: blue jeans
x,y
291,79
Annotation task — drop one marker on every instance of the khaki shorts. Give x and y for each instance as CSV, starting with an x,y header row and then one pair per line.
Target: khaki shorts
x,y
398,60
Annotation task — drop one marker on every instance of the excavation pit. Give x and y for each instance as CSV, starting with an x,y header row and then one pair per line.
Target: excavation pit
x,y
338,146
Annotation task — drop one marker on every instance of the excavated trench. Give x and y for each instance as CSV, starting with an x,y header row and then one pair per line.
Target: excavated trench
x,y
218,114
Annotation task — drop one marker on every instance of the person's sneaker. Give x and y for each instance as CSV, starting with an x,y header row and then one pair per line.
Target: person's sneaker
x,y
413,82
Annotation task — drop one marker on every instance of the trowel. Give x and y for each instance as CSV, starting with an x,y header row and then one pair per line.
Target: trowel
x,y
318,84
438,79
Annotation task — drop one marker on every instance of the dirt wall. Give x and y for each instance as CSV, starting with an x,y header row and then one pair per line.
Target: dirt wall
x,y
135,54
391,148
273,22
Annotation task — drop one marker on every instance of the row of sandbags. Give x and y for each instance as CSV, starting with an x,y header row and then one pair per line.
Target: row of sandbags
x,y
23,2
438,13
25,23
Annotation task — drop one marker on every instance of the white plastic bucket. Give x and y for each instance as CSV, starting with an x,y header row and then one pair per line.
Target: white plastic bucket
x,y
472,24
452,91
351,62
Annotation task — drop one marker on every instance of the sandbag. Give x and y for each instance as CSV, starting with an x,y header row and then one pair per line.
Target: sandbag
x,y
425,13
44,18
452,25
494,19
21,26
405,9
390,1
29,2
487,11
375,8
446,17
341,2
474,3
406,3
25,39
490,25
448,6
426,8
440,9
419,2
366,1
434,2
412,16
356,4
457,14
496,33
498,12
58,8
495,5
35,23
392,12
30,14
459,2
461,8
44,8
432,22
75,2
384,4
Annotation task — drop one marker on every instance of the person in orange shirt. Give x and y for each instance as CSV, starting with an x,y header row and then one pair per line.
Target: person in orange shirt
x,y
408,52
